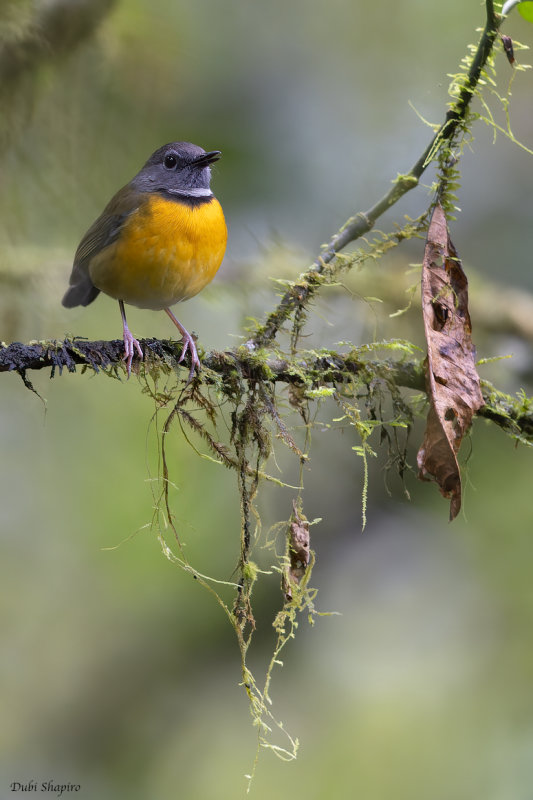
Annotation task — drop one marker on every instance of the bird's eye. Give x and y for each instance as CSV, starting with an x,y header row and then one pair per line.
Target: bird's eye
x,y
170,161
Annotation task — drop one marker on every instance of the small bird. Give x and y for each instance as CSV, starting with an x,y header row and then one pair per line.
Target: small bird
x,y
159,241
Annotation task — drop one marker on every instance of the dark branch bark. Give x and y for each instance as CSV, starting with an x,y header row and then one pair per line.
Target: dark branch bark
x,y
505,411
100,355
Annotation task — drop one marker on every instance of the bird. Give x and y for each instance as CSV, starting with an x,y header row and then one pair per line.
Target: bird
x,y
160,240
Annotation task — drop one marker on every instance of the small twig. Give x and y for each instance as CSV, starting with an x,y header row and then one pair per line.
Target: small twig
x,y
361,223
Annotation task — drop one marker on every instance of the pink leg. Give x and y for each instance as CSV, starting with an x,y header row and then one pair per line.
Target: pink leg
x,y
188,344
130,342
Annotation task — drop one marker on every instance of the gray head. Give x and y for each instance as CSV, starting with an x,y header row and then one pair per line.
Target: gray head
x,y
177,168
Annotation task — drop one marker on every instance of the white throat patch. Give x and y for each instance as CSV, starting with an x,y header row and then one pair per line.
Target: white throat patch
x,y
191,192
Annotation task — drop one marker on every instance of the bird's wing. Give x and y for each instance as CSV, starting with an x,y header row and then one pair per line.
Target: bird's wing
x,y
103,232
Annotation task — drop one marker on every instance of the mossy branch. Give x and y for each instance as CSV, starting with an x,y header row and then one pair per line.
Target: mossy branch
x,y
316,368
365,387
309,370
362,222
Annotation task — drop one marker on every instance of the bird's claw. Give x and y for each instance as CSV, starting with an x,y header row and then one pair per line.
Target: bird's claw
x,y
130,346
190,345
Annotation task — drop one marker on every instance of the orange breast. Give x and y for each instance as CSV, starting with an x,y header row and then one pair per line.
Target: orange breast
x,y
166,252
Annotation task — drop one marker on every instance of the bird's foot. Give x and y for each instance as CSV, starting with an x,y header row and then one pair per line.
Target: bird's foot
x,y
130,346
190,345
130,342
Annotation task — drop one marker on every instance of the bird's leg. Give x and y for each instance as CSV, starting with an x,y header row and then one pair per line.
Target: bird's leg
x,y
130,342
188,344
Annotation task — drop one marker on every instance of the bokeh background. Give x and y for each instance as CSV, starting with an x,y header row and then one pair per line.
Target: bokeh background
x,y
118,672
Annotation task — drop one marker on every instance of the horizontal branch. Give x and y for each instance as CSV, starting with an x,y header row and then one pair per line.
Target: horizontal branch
x,y
104,355
513,415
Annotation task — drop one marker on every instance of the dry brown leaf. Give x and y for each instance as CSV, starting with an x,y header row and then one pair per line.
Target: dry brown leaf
x,y
451,377
298,550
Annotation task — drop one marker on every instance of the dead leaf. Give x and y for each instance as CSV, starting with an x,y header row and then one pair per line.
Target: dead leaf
x,y
298,550
508,48
451,377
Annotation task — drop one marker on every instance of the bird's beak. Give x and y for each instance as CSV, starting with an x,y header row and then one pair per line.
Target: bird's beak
x,y
207,158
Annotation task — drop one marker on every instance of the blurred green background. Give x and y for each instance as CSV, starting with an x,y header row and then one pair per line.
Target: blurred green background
x,y
120,673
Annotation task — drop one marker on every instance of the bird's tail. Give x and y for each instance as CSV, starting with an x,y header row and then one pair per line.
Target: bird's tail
x,y
80,294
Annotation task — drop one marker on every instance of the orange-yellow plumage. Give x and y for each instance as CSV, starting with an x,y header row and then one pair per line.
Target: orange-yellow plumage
x,y
167,252
159,240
